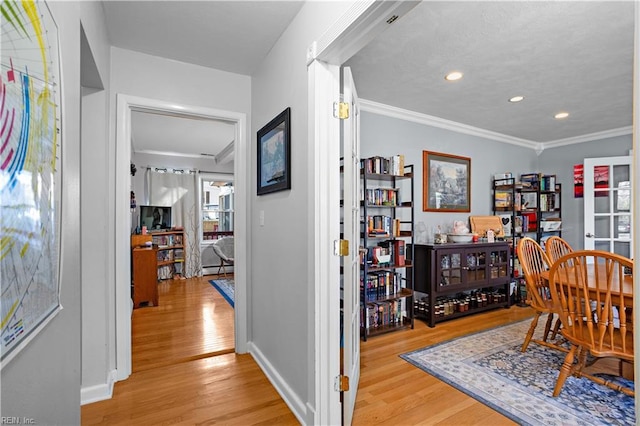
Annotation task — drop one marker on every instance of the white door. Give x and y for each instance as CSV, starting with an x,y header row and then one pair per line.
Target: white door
x,y
608,190
350,264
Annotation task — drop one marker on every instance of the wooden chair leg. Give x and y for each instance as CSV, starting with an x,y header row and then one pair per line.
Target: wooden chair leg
x,y
547,327
532,329
556,329
565,370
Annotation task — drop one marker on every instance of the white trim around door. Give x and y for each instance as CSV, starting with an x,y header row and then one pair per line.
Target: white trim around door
x,y
126,104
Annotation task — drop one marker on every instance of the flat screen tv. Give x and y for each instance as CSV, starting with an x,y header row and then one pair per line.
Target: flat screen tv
x,y
155,218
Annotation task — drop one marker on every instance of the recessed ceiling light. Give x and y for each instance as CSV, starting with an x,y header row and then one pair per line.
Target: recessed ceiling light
x,y
561,115
516,99
453,76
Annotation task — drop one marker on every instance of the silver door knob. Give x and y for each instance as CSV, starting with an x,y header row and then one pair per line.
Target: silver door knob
x,y
589,235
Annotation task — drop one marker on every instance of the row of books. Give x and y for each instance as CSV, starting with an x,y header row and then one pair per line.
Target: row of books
x,y
531,181
527,201
382,226
167,240
381,314
380,285
384,165
382,197
549,202
168,255
538,181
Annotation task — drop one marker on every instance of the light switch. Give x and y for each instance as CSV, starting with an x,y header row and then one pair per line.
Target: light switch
x,y
261,217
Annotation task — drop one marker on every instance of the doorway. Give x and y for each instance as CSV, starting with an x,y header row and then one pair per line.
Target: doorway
x,y
125,105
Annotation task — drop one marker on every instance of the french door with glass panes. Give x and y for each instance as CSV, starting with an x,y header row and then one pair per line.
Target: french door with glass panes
x,y
608,192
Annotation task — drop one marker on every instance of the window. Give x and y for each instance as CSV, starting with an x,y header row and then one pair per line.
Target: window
x,y
217,206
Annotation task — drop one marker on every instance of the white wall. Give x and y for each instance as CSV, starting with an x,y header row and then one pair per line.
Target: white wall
x,y
43,381
97,353
386,136
281,297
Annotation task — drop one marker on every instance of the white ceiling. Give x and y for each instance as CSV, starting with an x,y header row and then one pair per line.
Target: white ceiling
x,y
562,56
165,134
233,36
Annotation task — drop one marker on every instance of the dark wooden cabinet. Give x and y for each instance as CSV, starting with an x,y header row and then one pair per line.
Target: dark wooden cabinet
x,y
145,276
460,279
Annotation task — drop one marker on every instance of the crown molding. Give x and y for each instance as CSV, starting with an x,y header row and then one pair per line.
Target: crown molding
x,y
622,131
172,154
429,120
226,154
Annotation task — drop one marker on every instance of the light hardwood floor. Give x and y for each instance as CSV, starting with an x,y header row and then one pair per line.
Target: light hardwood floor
x,y
185,371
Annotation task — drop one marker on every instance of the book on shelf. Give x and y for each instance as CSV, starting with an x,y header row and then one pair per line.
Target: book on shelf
x,y
393,165
379,314
529,222
529,180
502,177
549,202
502,199
548,183
378,285
383,226
178,254
399,252
529,200
382,197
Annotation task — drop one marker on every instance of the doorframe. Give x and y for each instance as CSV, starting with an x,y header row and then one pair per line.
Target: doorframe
x,y
356,27
123,305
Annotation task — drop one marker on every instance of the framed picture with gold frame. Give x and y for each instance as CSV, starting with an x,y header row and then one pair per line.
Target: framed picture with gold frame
x,y
446,182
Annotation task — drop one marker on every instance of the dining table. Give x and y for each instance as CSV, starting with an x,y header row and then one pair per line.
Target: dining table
x,y
598,275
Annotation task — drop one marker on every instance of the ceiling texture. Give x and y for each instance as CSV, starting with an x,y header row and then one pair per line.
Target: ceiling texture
x,y
574,57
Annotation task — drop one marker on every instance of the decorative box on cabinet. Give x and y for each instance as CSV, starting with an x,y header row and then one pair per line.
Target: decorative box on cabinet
x,y
145,276
460,279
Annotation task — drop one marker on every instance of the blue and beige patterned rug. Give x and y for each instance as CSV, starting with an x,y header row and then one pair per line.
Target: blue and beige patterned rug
x,y
489,367
226,288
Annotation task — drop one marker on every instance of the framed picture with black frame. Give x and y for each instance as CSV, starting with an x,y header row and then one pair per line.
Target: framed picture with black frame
x,y
274,154
446,182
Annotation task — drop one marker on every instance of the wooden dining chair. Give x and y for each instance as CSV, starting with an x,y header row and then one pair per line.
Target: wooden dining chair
x,y
533,261
556,247
595,293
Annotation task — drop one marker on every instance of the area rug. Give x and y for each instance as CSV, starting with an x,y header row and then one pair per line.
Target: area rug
x,y
226,288
489,367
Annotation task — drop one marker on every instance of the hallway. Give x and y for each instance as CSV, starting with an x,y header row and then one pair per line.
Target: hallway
x,y
185,370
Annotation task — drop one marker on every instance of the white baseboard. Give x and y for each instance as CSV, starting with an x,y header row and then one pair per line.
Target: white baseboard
x,y
297,406
99,392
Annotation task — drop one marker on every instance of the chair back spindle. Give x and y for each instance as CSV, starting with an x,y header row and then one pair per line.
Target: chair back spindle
x,y
556,247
